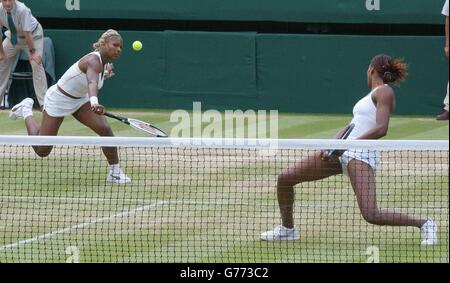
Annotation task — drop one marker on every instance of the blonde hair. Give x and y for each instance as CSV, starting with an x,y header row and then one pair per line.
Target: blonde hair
x,y
105,36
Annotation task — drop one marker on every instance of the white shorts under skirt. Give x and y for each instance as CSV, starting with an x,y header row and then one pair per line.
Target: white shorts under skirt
x,y
57,104
367,156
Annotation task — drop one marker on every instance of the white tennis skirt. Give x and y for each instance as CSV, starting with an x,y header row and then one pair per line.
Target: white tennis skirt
x,y
57,104
367,156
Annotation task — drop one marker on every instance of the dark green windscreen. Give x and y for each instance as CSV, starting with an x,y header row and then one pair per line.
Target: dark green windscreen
x,y
312,11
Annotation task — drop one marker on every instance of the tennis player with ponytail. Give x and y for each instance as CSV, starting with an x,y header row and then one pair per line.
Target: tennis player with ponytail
x,y
76,93
371,121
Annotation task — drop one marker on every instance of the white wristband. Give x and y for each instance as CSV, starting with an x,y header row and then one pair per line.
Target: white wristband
x,y
94,100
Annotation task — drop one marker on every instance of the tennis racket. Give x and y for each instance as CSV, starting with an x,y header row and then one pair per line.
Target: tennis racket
x,y
139,125
344,136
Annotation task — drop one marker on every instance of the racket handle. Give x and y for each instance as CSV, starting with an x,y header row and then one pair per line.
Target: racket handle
x,y
122,119
107,114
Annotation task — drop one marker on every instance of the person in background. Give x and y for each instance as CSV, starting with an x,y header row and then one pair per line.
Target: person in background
x,y
24,33
444,115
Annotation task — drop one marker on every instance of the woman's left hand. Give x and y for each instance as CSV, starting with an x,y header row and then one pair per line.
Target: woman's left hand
x,y
109,70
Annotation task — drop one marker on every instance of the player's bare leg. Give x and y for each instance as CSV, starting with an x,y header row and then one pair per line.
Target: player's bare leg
x,y
362,178
49,127
100,126
311,168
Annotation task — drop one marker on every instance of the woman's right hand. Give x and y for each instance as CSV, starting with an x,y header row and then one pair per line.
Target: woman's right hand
x,y
324,155
98,109
337,153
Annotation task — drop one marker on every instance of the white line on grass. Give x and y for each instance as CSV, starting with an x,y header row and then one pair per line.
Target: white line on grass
x,y
81,226
267,158
159,203
38,200
100,220
77,200
311,205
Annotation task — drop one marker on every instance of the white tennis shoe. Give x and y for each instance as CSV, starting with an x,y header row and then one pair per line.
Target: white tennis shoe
x,y
281,233
22,110
429,233
118,177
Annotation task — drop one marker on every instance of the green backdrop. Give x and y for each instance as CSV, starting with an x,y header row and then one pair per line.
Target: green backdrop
x,y
294,73
311,11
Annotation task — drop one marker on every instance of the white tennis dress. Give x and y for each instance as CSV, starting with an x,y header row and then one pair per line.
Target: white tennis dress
x,y
364,118
75,83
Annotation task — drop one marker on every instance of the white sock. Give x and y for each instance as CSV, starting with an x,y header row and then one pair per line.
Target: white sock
x,y
115,168
27,112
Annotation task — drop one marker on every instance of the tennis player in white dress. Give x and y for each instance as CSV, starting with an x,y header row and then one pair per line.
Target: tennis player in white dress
x,y
371,120
76,93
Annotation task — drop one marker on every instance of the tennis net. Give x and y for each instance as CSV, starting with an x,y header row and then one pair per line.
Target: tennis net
x,y
209,201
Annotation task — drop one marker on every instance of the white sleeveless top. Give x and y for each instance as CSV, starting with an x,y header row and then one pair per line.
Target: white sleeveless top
x,y
364,116
74,81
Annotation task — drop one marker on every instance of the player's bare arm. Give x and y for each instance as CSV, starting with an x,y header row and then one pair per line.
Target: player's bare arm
x,y
92,66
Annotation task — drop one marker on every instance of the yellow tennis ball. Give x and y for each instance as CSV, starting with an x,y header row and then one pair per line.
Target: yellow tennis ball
x,y
137,45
